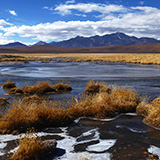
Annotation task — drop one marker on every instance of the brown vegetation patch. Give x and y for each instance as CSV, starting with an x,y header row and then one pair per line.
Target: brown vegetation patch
x,y
4,101
31,100
39,88
31,112
21,116
33,148
96,88
9,85
62,87
125,100
15,91
151,112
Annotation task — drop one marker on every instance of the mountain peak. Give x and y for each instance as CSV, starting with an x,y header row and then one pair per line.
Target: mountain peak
x,y
40,43
14,45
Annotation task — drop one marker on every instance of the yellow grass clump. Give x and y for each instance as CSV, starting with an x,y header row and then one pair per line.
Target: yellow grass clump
x,y
15,91
4,101
31,112
62,87
31,147
147,58
39,88
31,100
94,88
9,85
151,112
22,116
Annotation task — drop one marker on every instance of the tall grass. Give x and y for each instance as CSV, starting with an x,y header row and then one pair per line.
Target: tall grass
x,y
94,88
33,112
128,58
150,112
31,147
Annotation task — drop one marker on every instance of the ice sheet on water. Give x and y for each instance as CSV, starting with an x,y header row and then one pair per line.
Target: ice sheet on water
x,y
2,145
154,150
102,146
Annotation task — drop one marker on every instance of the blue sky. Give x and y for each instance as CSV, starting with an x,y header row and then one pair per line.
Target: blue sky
x,y
30,21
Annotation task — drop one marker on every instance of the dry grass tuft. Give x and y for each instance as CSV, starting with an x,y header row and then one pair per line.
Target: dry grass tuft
x,y
22,116
9,85
33,148
62,87
4,101
151,112
15,91
31,112
39,88
143,109
94,88
31,100
125,100
30,148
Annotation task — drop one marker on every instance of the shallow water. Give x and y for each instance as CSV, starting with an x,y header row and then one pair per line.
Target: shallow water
x,y
123,137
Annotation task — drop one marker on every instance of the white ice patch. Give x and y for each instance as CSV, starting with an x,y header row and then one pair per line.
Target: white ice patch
x,y
131,129
154,150
3,145
136,131
102,146
85,156
14,150
9,137
88,133
67,144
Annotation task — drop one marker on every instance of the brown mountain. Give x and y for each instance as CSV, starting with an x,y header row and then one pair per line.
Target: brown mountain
x,y
146,48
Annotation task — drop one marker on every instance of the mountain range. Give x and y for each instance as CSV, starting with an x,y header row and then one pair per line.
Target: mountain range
x,y
114,39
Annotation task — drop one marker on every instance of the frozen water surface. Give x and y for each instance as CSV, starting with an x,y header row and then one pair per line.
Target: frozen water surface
x,y
92,138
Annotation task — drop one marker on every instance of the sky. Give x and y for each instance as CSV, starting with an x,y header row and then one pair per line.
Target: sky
x,y
30,21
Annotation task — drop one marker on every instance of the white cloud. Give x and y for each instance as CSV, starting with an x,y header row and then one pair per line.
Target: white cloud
x,y
12,12
81,15
138,21
71,1
89,7
4,40
4,23
141,2
48,8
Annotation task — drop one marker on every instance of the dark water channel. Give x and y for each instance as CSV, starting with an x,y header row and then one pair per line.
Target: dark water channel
x,y
125,137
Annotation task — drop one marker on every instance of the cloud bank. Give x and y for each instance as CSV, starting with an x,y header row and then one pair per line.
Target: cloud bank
x,y
140,21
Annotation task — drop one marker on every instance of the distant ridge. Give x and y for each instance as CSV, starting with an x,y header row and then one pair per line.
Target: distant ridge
x,y
114,39
13,45
145,48
40,43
